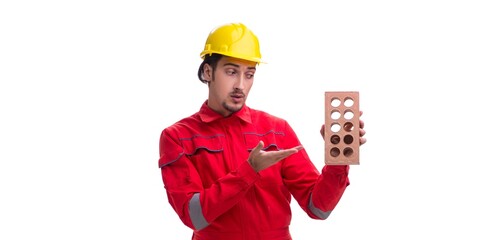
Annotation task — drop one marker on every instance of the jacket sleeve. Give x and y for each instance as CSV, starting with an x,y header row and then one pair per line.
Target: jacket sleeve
x,y
316,193
328,190
197,206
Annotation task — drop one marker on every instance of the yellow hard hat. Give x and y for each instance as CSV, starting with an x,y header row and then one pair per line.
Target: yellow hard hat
x,y
233,40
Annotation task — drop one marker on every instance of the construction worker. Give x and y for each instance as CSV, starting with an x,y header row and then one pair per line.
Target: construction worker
x,y
229,170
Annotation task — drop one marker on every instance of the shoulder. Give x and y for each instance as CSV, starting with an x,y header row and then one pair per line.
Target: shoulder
x,y
182,125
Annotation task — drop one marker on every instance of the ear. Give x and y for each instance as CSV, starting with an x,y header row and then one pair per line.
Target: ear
x,y
207,72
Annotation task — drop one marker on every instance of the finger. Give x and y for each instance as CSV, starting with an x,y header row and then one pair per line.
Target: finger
x,y
285,153
361,123
322,131
259,146
361,112
298,148
294,150
362,141
361,132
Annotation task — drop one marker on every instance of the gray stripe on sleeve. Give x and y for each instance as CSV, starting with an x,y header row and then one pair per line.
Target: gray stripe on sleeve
x,y
321,214
195,211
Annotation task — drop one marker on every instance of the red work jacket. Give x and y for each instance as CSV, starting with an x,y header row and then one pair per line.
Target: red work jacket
x,y
214,190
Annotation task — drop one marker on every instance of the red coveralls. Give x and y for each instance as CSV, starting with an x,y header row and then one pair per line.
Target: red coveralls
x,y
214,190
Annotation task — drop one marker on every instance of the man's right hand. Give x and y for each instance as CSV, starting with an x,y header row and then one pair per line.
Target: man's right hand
x,y
261,160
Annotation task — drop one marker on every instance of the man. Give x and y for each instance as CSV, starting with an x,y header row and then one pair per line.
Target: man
x,y
230,171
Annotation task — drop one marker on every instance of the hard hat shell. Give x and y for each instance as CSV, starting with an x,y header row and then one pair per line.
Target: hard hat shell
x,y
233,40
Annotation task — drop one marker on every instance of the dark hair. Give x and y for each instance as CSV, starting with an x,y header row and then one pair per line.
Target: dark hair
x,y
212,60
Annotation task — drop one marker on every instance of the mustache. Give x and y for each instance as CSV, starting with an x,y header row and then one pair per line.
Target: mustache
x,y
238,92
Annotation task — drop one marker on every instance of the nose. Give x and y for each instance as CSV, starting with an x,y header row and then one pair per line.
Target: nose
x,y
239,84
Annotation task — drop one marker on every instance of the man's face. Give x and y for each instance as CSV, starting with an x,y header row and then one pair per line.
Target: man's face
x,y
229,84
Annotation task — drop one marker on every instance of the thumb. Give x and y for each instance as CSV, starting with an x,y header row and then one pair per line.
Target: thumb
x,y
259,146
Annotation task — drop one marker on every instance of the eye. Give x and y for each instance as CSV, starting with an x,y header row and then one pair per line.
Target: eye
x,y
231,72
249,75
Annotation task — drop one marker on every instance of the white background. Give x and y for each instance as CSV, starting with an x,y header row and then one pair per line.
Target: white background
x,y
87,86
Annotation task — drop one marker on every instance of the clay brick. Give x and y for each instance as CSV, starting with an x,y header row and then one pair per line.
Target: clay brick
x,y
342,128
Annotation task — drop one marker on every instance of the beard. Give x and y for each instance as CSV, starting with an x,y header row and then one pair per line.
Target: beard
x,y
230,108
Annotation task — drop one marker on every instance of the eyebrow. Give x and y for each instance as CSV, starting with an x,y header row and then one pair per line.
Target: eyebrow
x,y
235,65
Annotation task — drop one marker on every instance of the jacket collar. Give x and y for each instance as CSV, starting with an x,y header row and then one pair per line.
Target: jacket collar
x,y
208,115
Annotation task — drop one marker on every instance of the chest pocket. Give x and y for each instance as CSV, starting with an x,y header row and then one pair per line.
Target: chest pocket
x,y
272,140
171,150
207,156
198,143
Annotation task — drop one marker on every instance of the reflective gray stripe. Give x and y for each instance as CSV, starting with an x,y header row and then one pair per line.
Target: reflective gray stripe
x,y
195,212
321,214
